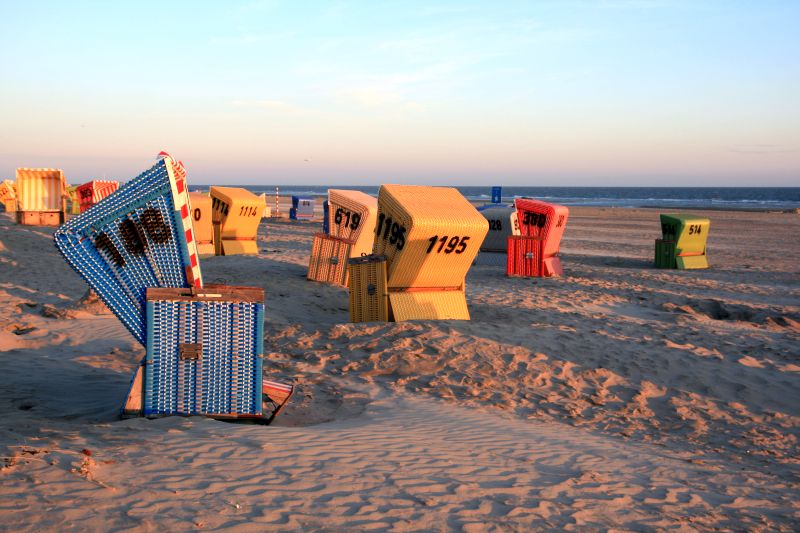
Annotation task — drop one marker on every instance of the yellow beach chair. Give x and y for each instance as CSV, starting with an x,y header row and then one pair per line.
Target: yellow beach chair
x,y
236,216
430,237
41,196
202,216
8,196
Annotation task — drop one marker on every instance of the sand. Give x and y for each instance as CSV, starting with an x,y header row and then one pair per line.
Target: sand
x,y
619,397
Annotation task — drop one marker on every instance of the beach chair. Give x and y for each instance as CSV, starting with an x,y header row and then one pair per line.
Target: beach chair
x,y
93,191
502,224
8,196
326,223
236,216
302,208
328,260
352,216
683,242
369,296
73,200
41,196
204,356
138,237
202,216
541,228
429,236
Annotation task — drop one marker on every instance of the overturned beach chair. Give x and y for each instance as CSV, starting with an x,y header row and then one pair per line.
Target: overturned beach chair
x,y
41,196
535,252
93,191
503,223
204,356
351,224
202,216
138,237
236,215
8,196
683,242
429,236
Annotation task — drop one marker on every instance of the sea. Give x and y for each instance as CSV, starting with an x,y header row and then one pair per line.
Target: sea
x,y
729,198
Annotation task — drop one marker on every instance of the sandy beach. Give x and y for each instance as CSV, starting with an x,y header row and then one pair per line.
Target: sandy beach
x,y
619,397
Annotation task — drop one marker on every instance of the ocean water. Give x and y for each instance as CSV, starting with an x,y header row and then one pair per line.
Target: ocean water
x,y
755,198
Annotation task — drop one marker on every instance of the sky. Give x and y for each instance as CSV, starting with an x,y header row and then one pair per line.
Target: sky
x,y
583,93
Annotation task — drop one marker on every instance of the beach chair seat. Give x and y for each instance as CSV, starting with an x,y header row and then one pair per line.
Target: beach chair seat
x,y
328,260
41,196
138,237
683,241
545,222
369,296
93,191
202,216
204,356
352,215
236,216
430,237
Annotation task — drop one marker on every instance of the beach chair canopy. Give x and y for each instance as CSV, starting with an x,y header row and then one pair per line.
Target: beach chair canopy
x,y
41,189
351,216
138,237
503,222
238,213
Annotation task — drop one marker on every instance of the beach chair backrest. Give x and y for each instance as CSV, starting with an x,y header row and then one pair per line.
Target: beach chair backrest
x,y
503,222
544,221
93,191
138,237
429,235
238,213
352,215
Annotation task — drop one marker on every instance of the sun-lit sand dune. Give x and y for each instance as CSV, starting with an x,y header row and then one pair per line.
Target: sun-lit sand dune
x,y
617,397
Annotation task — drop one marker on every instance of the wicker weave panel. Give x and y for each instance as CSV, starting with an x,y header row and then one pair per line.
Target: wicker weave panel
x,y
204,351
238,213
132,240
524,256
328,260
356,212
544,221
503,222
369,301
417,215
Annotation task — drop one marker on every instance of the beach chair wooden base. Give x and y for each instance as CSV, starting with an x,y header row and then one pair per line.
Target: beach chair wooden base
x,y
525,259
328,260
274,397
41,218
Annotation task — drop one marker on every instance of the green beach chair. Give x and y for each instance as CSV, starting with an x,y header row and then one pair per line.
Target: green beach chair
x,y
683,242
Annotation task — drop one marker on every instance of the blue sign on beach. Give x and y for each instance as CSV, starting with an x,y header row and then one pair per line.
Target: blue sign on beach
x,y
497,195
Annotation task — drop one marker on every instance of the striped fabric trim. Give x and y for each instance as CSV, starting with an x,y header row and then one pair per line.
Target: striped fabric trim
x,y
177,174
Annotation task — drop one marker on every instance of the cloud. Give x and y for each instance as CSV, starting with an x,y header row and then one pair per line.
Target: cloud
x,y
762,149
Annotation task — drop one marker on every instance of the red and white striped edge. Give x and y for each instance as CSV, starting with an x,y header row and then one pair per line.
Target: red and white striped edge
x,y
267,384
100,189
177,180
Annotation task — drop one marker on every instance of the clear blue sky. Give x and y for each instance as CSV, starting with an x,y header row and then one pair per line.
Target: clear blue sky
x,y
617,92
